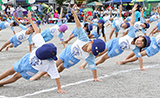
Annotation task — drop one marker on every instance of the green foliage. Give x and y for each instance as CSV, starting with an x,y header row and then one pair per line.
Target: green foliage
x,y
60,2
89,1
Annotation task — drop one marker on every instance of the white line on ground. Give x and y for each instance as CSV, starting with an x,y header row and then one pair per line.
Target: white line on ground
x,y
80,82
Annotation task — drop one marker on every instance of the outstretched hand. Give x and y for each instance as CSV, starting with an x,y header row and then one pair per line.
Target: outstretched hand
x,y
134,8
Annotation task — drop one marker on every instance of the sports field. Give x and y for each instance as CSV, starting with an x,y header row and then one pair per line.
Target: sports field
x,y
119,81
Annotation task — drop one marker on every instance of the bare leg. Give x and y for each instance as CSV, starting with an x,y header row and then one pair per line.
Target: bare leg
x,y
103,58
7,73
58,62
60,68
116,34
11,80
10,46
70,37
134,58
5,44
83,65
110,36
38,76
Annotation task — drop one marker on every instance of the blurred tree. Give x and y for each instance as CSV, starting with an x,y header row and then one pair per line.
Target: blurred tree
x,y
60,2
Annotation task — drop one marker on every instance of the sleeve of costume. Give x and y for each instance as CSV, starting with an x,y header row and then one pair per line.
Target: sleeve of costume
x,y
30,39
22,27
61,37
137,52
91,62
82,35
131,32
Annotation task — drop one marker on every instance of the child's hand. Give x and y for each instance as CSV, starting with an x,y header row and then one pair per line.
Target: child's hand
x,y
134,8
142,69
120,6
61,91
96,80
14,15
29,15
74,6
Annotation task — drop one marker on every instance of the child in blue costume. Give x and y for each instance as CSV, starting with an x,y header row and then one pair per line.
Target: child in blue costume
x,y
155,29
56,30
83,48
18,38
118,24
116,46
86,26
150,51
42,58
9,23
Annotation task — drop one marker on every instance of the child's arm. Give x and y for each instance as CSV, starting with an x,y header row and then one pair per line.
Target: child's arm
x,y
59,86
5,14
36,29
105,38
142,12
133,15
152,32
140,59
16,19
120,13
60,16
85,16
78,24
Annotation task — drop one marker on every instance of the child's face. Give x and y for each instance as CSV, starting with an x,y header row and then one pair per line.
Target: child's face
x,y
30,29
99,25
139,42
143,25
124,25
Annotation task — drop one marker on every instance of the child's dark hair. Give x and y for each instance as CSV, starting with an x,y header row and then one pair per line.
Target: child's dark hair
x,y
86,25
14,23
102,30
138,8
145,24
144,40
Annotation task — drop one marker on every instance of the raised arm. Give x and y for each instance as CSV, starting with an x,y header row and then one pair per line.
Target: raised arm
x,y
120,13
60,16
16,19
85,16
31,22
78,24
5,14
133,15
142,12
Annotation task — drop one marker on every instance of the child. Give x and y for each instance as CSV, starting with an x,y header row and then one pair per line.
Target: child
x,y
41,58
56,30
153,49
155,29
86,26
118,45
20,37
9,23
118,24
96,33
83,48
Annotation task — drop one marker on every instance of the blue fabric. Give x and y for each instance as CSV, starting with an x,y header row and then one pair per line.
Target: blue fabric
x,y
95,24
30,39
67,57
61,37
25,69
91,62
59,23
14,41
142,20
47,36
137,15
113,48
158,25
23,27
74,32
114,26
136,51
2,26
128,19
153,48
82,35
131,32
95,35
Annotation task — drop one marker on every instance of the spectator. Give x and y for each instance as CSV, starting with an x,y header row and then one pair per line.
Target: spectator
x,y
110,7
6,7
40,12
69,9
58,9
19,11
128,7
10,10
94,13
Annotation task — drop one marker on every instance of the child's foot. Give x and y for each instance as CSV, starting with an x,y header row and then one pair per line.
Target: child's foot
x,y
34,78
1,85
7,48
46,75
82,67
120,62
